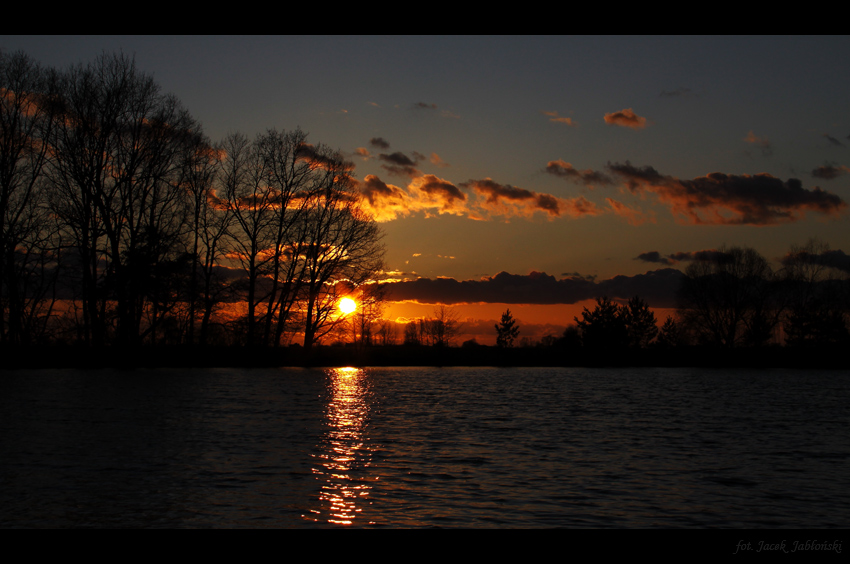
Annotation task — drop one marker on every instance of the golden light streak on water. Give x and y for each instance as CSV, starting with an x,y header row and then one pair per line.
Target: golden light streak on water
x,y
345,450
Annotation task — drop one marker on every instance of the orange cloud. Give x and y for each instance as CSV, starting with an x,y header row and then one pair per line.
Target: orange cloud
x,y
384,202
631,215
433,195
434,192
554,117
437,161
507,200
626,118
762,142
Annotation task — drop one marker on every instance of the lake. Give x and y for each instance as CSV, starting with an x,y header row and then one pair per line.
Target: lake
x,y
425,447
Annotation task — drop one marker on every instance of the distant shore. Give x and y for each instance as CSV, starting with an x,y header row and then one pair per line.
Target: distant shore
x,y
208,357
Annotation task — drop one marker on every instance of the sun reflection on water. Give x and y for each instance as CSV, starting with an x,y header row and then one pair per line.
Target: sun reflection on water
x,y
345,451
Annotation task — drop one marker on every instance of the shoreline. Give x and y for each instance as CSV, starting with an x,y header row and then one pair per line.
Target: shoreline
x,y
72,356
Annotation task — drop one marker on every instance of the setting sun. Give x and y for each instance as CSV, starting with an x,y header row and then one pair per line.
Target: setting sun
x,y
347,305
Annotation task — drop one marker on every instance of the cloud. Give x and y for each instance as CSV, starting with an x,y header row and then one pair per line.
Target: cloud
x,y
428,193
567,171
507,200
726,199
833,141
762,142
384,201
437,161
424,106
631,215
555,118
400,164
654,256
379,143
830,172
658,288
837,259
477,199
673,258
436,193
626,118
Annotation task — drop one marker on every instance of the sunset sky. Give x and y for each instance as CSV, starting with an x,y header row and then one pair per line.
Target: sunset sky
x,y
584,158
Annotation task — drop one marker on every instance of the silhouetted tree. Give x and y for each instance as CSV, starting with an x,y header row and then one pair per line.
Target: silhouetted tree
x,y
250,204
506,331
210,223
387,333
640,323
817,296
731,299
413,333
671,334
117,154
342,244
28,242
371,300
604,327
442,329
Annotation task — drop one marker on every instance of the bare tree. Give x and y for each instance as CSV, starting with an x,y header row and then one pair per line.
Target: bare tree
x,y
28,257
731,299
342,248
371,300
250,203
442,329
816,289
387,334
118,149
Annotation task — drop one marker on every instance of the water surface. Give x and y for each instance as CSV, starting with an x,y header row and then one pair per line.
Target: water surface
x,y
425,447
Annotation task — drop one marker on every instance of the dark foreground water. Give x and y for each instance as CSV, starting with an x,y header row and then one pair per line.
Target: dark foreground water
x,y
423,447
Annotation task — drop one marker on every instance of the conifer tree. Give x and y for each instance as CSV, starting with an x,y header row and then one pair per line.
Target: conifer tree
x,y
506,331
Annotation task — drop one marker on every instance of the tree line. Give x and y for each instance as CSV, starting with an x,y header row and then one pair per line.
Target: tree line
x,y
122,223
729,299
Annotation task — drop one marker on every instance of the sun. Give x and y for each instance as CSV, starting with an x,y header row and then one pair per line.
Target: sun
x,y
347,305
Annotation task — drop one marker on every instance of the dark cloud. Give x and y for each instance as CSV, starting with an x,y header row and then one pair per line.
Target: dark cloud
x,y
830,172
836,259
626,118
443,191
712,255
504,199
653,256
673,258
379,143
567,171
319,157
658,288
400,164
832,140
726,199
424,106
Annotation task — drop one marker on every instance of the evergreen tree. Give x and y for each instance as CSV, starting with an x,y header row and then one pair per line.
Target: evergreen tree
x,y
506,331
640,323
604,327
